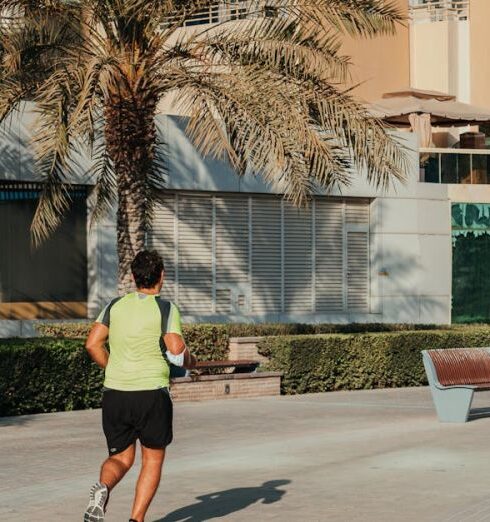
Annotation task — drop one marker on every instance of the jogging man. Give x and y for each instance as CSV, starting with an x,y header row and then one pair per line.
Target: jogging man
x,y
136,403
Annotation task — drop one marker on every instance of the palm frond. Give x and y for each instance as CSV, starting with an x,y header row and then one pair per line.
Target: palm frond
x,y
53,145
105,183
359,18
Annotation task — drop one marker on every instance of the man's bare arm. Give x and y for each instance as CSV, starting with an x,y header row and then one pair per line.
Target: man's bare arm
x,y
175,345
95,344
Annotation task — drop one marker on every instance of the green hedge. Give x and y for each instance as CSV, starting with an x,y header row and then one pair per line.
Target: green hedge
x,y
207,341
211,341
45,375
268,329
79,330
350,362
50,374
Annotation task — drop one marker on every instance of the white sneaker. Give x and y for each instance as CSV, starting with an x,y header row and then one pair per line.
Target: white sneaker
x,y
99,495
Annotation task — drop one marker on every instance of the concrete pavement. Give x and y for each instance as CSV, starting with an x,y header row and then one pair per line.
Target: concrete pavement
x,y
370,456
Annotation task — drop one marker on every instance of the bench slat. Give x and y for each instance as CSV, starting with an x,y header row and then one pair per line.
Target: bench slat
x,y
462,366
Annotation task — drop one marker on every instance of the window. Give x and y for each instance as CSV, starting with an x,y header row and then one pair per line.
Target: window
x,y
54,272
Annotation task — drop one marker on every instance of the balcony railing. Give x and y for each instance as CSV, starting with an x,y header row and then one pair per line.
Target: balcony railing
x,y
229,10
439,10
458,166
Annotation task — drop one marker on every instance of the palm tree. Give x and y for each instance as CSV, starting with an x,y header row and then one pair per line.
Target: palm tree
x,y
266,93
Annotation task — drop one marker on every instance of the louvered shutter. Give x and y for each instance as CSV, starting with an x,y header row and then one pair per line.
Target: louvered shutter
x,y
266,255
195,278
298,262
162,239
357,212
329,255
357,224
232,254
239,254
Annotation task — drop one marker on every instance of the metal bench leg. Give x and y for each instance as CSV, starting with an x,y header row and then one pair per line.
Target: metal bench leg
x,y
452,405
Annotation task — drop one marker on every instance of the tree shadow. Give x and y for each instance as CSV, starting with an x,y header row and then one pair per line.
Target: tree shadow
x,y
222,503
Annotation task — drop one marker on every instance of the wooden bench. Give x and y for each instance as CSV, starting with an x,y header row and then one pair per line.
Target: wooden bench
x,y
454,375
242,366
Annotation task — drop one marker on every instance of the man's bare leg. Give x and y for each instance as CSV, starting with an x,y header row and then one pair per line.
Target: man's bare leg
x,y
148,480
113,470
115,467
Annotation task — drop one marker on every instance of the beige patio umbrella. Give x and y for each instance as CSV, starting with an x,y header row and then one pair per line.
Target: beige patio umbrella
x,y
397,107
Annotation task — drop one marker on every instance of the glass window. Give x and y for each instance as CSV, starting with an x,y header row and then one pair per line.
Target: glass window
x,y
57,270
429,168
481,166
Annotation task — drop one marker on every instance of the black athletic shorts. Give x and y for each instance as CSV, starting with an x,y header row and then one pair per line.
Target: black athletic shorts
x,y
131,415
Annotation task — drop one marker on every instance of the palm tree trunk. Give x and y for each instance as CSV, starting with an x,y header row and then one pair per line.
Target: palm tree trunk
x,y
130,140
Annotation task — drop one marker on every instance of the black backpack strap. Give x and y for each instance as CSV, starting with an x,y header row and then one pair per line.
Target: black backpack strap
x,y
164,307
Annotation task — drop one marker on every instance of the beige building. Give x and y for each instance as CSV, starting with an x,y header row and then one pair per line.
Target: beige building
x,y
380,64
442,47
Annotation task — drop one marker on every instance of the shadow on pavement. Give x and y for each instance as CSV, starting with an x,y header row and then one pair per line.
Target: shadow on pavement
x,y
478,413
15,421
222,503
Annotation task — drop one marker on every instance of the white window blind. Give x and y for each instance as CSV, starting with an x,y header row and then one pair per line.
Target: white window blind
x,y
194,247
357,271
266,255
329,258
232,254
239,254
162,239
357,230
298,259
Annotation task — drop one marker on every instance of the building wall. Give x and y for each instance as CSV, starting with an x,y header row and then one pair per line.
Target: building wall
x,y
479,53
410,231
440,57
381,64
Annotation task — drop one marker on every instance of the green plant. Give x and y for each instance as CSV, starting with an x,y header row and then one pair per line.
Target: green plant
x,y
48,374
319,363
45,375
207,341
55,374
79,330
268,329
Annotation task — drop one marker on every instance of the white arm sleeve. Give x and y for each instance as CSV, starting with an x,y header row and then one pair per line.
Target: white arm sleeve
x,y
177,360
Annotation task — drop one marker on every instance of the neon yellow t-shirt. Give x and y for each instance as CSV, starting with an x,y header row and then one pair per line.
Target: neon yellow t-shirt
x,y
136,325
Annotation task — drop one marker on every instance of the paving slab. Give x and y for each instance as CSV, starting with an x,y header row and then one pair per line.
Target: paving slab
x,y
370,456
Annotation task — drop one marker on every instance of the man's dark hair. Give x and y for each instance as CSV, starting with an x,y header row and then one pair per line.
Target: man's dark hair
x,y
147,268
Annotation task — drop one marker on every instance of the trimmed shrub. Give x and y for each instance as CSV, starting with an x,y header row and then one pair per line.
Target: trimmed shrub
x,y
69,330
208,341
46,375
351,362
56,374
78,330
269,329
